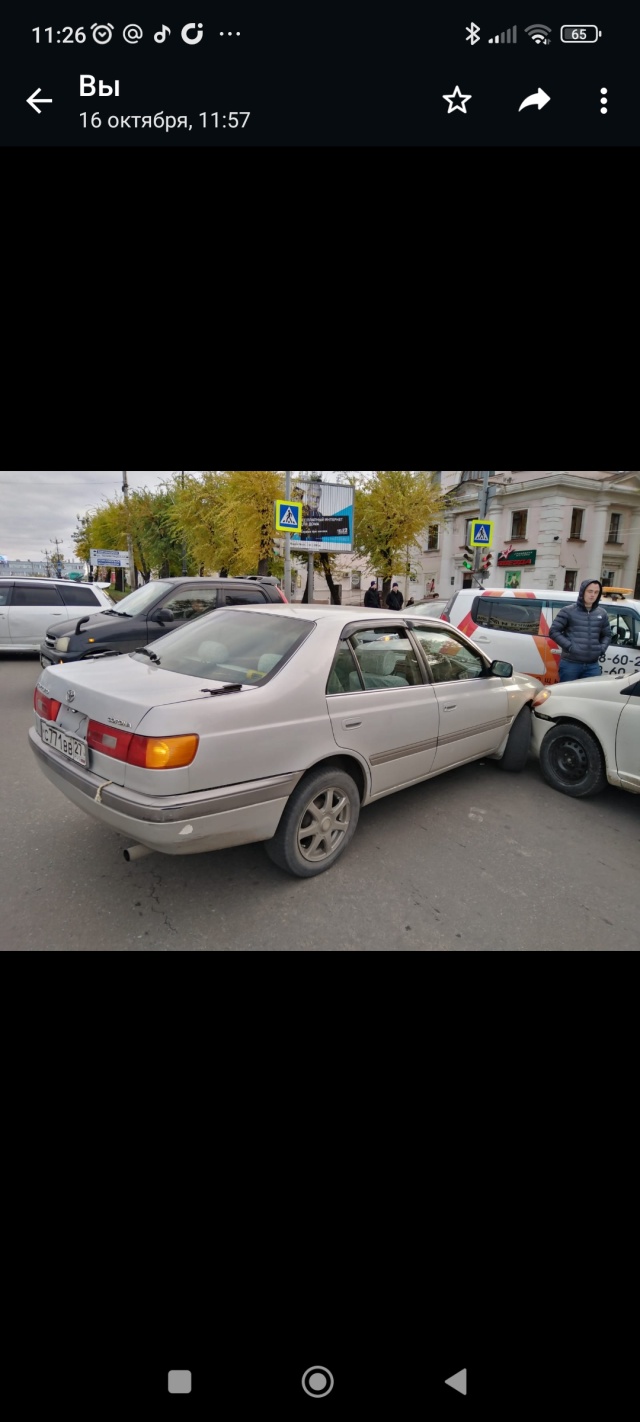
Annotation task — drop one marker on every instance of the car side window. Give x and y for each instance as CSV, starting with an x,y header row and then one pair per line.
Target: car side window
x,y
386,658
36,597
625,628
5,593
447,658
236,599
79,596
481,613
189,604
344,675
515,615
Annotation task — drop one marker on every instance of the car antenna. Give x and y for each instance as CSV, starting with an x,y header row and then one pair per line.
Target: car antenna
x,y
220,690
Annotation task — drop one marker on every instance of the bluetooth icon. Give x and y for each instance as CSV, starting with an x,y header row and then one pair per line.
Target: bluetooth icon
x,y
473,32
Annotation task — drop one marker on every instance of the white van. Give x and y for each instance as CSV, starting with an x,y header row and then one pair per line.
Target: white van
x,y
514,627
29,606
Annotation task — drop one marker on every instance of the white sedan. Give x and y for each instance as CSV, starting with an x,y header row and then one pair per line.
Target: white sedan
x,y
587,732
275,723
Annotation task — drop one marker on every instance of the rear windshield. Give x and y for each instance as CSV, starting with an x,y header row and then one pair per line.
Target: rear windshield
x,y
79,595
239,647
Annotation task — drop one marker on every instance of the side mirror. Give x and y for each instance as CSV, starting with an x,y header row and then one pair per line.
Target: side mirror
x,y
162,615
501,669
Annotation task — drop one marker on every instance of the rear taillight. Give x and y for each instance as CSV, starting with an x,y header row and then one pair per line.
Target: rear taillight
x,y
45,705
151,752
108,740
281,595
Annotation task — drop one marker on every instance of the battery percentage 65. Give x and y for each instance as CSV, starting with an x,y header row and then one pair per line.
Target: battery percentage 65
x,y
579,34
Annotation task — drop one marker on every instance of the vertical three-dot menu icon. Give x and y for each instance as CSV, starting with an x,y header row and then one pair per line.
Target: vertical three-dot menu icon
x,y
179,1380
603,101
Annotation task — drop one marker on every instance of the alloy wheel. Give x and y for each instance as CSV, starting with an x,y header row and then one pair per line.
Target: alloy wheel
x,y
324,824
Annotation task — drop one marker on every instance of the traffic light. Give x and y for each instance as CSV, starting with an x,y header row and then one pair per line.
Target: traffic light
x,y
487,559
468,558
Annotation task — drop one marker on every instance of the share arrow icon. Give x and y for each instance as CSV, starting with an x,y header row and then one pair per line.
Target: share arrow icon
x,y
540,99
33,96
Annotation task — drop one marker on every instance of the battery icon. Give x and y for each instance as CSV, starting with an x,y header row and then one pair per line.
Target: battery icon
x,y
579,34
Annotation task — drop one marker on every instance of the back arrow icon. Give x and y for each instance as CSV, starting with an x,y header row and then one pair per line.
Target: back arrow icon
x,y
540,99
33,96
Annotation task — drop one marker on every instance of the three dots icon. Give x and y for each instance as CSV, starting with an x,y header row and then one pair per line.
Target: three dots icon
x,y
603,101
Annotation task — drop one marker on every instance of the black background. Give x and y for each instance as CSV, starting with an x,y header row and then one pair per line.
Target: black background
x,y
345,74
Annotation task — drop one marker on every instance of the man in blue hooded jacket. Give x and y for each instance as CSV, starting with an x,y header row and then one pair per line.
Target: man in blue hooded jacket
x,y
583,631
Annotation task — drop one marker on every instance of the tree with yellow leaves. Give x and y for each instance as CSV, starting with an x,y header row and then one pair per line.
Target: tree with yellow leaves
x,y
393,508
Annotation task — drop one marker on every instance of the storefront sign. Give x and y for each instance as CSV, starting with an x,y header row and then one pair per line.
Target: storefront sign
x,y
523,559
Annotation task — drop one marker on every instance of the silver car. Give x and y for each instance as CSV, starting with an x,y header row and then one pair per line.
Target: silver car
x,y
274,723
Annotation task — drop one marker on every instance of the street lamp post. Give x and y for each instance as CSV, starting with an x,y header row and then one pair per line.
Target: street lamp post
x,y
287,543
184,546
125,490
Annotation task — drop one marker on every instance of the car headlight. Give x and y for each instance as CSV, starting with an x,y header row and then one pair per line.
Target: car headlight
x,y
62,644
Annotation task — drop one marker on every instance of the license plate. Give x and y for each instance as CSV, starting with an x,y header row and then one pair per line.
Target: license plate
x,y
67,745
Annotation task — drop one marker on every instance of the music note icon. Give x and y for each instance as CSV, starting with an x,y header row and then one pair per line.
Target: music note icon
x,y
161,35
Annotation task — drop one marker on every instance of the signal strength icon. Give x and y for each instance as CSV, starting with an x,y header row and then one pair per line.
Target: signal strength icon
x,y
539,33
500,39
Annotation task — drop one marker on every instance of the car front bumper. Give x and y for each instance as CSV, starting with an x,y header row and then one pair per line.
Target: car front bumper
x,y
539,727
172,824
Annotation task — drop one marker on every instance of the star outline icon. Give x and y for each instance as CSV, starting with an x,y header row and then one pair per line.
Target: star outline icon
x,y
457,94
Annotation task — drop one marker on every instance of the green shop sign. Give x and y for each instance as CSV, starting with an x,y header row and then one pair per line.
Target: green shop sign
x,y
523,559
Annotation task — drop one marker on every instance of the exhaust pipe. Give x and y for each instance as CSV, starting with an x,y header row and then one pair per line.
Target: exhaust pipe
x,y
136,851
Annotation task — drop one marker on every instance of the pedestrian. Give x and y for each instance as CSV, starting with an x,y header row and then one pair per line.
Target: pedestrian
x,y
372,596
583,631
411,602
395,600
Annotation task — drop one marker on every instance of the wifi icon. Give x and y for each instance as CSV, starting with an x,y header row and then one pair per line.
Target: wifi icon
x,y
539,33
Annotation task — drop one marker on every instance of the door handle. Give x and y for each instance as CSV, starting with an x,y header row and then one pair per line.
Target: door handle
x,y
482,639
349,724
452,707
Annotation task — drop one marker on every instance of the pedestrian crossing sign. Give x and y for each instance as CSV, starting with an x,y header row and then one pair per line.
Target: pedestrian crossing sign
x,y
288,516
481,533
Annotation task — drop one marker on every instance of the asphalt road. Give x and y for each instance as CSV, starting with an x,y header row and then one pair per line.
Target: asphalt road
x,y
475,859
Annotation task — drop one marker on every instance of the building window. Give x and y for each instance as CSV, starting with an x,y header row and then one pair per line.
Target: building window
x,y
576,523
432,538
570,582
614,528
608,579
519,524
468,474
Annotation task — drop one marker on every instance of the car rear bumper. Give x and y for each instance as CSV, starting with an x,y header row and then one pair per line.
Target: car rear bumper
x,y
173,824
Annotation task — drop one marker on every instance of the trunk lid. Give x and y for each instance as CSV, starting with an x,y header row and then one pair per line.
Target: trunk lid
x,y
123,688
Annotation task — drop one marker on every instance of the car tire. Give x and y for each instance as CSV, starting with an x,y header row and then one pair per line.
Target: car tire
x,y
571,760
519,743
330,790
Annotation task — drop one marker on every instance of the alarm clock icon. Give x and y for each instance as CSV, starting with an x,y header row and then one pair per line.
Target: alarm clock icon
x,y
102,33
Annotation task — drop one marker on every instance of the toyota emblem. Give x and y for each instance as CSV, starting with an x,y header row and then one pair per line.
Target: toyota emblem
x,y
71,696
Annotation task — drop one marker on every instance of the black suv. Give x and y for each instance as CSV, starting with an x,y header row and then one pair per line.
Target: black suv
x,y
147,613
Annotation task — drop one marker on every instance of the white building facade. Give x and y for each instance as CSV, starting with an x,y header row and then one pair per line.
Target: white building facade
x,y
39,568
560,526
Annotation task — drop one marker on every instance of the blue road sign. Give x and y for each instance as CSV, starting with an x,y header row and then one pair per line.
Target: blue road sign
x,y
288,516
481,535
